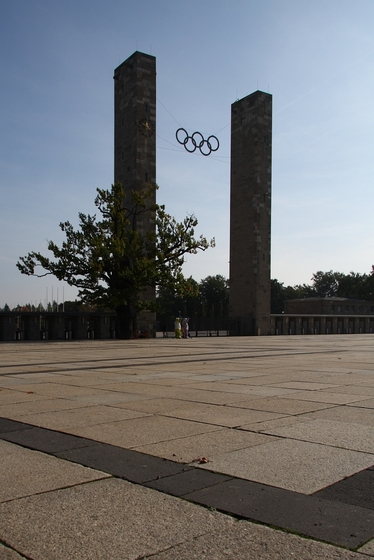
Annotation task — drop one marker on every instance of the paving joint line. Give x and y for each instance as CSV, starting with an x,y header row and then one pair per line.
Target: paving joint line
x,y
156,363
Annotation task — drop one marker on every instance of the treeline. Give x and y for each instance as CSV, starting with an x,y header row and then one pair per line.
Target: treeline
x,y
325,284
209,298
53,307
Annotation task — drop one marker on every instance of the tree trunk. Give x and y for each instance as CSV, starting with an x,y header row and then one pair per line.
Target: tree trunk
x,y
124,322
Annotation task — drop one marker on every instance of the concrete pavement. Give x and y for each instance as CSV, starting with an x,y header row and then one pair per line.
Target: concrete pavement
x,y
216,448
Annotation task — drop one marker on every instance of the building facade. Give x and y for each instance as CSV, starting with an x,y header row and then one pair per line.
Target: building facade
x,y
250,214
329,306
315,323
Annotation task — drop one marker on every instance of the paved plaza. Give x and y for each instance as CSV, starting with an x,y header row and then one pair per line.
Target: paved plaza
x,y
207,448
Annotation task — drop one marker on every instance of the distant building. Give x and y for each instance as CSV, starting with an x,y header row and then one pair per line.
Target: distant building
x,y
328,306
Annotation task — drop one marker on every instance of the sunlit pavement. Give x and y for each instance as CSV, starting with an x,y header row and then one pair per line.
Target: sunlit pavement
x,y
251,447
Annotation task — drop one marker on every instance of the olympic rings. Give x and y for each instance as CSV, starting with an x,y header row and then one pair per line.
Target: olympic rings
x,y
197,141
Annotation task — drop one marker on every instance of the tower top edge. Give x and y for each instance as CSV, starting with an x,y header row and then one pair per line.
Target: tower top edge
x,y
254,94
136,54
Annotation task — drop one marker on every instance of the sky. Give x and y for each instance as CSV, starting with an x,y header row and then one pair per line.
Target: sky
x,y
316,58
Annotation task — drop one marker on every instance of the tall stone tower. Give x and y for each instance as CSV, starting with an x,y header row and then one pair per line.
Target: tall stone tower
x,y
250,214
135,139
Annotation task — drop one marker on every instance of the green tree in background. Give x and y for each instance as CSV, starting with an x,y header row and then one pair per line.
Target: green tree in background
x,y
325,284
214,296
208,299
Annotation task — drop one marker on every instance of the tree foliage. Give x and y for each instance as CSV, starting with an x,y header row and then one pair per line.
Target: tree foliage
x,y
206,300
111,262
214,296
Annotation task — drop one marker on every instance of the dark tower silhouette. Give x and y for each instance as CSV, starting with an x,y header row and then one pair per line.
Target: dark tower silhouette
x,y
250,214
135,139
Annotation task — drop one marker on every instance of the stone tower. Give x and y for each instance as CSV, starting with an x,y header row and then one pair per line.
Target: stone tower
x,y
135,139
250,214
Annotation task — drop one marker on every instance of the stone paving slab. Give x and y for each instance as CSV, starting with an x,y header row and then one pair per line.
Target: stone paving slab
x,y
334,522
41,439
205,487
124,463
366,403
19,410
56,389
157,405
364,390
282,405
185,393
347,414
368,548
137,387
247,541
357,490
106,398
287,464
9,554
203,382
209,445
306,385
9,425
11,396
329,398
302,513
29,472
90,415
268,425
356,437
262,390
186,482
131,522
291,382
221,415
142,431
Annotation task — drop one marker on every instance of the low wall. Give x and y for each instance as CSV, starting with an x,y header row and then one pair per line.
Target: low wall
x,y
81,326
289,324
56,326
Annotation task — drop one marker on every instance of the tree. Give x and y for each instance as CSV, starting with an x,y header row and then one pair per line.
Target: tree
x,y
214,296
370,285
281,293
353,285
326,284
277,296
112,263
337,284
172,303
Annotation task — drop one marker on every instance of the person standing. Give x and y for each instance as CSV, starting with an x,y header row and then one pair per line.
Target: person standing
x,y
185,327
177,327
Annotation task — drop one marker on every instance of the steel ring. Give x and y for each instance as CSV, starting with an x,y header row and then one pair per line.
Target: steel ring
x,y
211,147
201,143
186,134
197,140
194,145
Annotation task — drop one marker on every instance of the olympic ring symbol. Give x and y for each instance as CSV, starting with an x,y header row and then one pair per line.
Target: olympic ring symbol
x,y
197,141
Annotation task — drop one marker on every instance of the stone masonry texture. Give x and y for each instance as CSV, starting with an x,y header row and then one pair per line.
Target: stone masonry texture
x,y
250,214
135,138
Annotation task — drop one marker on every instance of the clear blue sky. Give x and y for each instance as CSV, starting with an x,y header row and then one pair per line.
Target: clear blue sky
x,y
316,57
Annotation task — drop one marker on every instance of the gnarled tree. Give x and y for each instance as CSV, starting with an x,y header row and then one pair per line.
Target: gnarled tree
x,y
111,262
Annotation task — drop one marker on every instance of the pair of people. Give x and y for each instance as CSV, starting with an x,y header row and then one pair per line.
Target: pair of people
x,y
181,327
